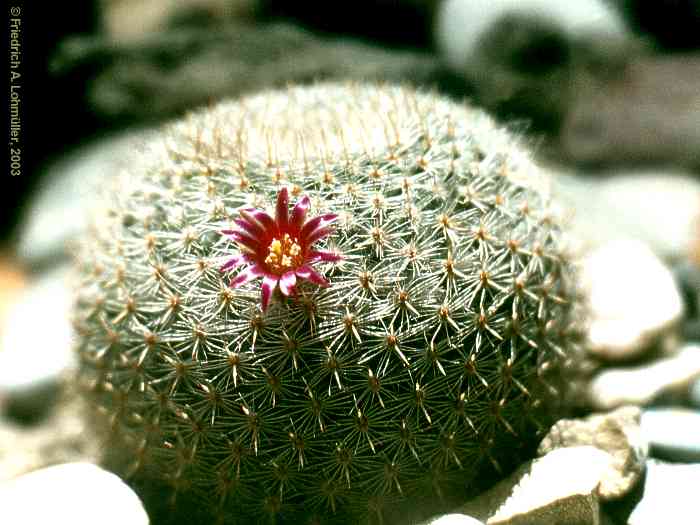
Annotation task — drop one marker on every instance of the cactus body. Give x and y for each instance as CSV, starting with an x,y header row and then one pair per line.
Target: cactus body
x,y
421,365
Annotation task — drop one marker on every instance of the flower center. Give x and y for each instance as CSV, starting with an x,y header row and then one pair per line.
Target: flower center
x,y
284,254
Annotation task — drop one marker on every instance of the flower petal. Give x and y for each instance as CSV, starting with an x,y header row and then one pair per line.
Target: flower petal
x,y
287,283
307,272
317,235
235,262
251,229
258,216
268,286
299,213
250,273
317,222
282,211
245,240
323,256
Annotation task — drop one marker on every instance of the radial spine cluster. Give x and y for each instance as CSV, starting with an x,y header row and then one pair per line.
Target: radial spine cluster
x,y
330,304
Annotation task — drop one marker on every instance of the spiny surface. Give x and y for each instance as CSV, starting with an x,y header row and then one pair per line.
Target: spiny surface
x,y
422,364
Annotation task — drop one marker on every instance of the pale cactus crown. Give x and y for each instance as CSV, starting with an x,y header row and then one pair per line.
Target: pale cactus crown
x,y
321,303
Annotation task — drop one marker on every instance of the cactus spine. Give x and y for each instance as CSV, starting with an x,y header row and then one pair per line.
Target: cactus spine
x,y
424,362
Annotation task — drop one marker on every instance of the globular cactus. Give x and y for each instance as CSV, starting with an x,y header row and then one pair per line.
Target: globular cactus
x,y
388,340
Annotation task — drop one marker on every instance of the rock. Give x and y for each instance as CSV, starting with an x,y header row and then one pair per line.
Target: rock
x,y
58,211
658,207
36,347
605,125
453,519
633,299
461,24
673,433
75,493
616,433
170,72
523,56
670,495
538,493
640,385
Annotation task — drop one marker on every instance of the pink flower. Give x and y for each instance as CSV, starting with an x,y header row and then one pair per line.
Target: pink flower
x,y
279,250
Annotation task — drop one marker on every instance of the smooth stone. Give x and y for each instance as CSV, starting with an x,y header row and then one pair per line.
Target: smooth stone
x,y
633,299
670,495
454,519
673,433
537,492
658,207
617,433
59,210
74,493
640,385
36,347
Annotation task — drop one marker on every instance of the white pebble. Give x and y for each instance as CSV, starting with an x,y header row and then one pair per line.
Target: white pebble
x,y
673,432
36,339
542,488
640,385
633,298
670,495
454,519
72,493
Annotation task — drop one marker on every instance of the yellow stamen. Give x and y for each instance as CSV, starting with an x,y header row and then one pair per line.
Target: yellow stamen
x,y
284,254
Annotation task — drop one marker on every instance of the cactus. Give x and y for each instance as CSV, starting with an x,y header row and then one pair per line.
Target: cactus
x,y
389,339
